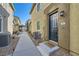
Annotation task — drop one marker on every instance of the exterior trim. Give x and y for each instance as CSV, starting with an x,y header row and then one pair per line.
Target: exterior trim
x,y
49,14
1,24
53,12
33,5
12,6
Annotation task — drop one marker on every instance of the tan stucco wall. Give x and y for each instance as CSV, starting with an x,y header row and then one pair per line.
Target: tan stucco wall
x,y
63,31
42,16
68,34
74,28
28,25
39,16
33,15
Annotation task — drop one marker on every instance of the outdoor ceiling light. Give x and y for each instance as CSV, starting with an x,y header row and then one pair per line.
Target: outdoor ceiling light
x,y
62,13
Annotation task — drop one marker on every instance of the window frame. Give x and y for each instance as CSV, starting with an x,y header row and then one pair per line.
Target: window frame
x,y
38,7
38,25
1,23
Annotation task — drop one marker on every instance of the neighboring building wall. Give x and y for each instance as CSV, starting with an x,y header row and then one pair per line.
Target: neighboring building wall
x,y
16,24
4,14
28,25
22,28
9,9
10,24
74,28
10,20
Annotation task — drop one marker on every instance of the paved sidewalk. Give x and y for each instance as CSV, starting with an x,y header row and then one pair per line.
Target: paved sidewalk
x,y
25,46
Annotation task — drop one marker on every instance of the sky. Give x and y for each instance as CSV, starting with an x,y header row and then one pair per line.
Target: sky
x,y
22,10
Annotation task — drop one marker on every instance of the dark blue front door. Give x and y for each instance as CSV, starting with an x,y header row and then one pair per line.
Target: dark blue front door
x,y
53,28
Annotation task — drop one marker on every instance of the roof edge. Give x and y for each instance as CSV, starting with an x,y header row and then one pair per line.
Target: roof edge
x,y
33,5
12,6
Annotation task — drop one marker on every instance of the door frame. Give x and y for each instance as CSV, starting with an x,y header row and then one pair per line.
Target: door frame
x,y
49,14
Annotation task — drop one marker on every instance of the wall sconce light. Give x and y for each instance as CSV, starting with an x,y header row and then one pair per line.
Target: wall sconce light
x,y
63,25
62,13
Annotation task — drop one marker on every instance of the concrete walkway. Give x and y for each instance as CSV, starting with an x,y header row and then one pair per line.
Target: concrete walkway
x,y
25,46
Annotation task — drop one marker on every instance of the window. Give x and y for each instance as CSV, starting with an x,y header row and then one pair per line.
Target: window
x,y
38,7
0,25
38,25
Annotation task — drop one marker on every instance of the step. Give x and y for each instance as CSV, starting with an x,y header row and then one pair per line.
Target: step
x,y
45,50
